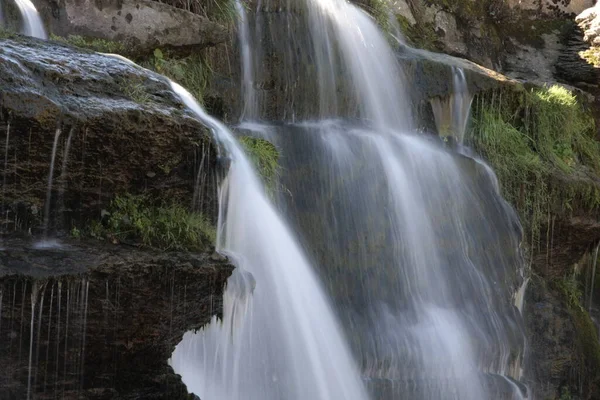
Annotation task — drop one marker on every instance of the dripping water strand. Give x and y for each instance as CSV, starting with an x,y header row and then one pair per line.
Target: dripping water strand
x,y
34,293
49,190
4,173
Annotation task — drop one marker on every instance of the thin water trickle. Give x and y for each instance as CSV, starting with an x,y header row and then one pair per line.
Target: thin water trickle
x,y
83,332
39,334
452,112
46,361
248,90
32,23
279,338
4,173
63,170
48,243
34,294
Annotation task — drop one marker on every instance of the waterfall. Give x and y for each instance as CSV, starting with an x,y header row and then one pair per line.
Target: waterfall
x,y
32,23
250,102
452,113
414,242
279,338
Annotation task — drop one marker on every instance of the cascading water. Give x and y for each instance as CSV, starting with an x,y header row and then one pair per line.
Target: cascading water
x,y
417,247
452,113
32,23
279,338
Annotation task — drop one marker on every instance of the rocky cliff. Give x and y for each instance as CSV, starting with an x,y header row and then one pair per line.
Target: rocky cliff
x,y
93,321
83,134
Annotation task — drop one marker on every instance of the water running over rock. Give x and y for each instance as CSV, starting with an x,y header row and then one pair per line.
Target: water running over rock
x,y
32,23
416,246
279,338
452,113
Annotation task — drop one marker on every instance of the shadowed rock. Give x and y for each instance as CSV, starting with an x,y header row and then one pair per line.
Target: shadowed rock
x,y
105,319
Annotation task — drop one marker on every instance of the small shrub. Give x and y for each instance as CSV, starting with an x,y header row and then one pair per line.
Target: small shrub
x,y
75,233
167,227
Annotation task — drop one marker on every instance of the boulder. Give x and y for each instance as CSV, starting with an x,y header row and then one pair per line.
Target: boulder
x,y
589,22
110,126
142,25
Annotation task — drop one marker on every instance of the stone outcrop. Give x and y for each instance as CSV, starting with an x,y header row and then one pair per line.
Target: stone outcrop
x,y
589,22
142,25
93,321
526,39
116,129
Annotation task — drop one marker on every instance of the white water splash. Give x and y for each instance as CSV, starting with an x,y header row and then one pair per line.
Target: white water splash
x,y
279,339
32,23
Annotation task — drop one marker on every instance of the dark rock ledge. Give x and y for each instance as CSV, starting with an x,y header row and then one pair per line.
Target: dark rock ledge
x,y
106,318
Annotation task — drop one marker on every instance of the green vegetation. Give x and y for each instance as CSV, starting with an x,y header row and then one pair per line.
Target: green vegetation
x,y
75,233
420,35
217,10
166,227
586,335
135,90
591,55
541,144
6,34
93,44
265,158
191,72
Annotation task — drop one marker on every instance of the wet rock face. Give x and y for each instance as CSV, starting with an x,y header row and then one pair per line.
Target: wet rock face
x,y
100,322
143,24
116,129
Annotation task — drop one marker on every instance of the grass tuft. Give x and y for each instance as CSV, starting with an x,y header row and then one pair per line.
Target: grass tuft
x,y
93,44
166,227
541,144
265,158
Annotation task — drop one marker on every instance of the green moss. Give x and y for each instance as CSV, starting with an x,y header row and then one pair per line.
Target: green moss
x,y
584,328
166,226
6,34
93,44
421,35
264,156
541,144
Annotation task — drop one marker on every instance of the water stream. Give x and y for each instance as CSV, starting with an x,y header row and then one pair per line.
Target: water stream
x,y
412,240
414,243
32,23
279,338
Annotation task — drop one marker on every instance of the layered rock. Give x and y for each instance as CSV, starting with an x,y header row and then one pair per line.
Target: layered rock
x,y
142,25
92,321
115,128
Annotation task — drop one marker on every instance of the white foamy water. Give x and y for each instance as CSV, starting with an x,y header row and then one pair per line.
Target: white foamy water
x,y
279,338
32,23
